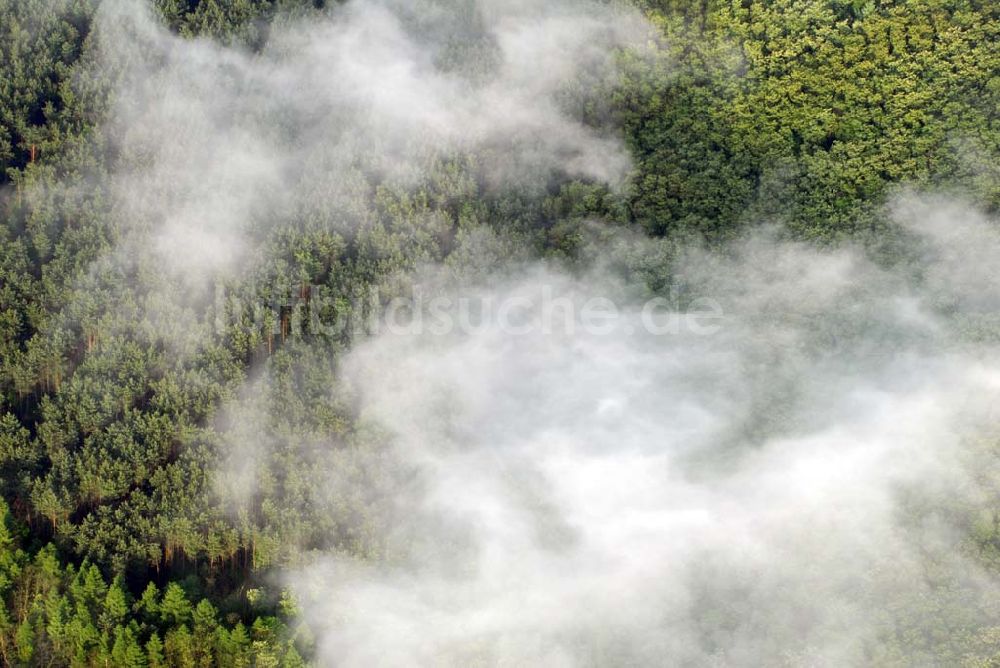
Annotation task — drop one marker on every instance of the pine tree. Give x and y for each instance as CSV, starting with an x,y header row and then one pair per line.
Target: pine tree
x,y
175,609
154,652
24,640
148,606
126,652
178,648
115,606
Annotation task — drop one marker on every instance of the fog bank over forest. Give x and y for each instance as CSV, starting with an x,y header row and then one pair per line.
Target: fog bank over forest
x,y
489,332
744,494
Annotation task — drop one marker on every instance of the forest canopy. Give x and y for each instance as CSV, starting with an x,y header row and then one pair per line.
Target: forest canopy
x,y
197,195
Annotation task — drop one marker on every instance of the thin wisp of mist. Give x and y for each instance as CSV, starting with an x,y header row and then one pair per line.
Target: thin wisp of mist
x,y
219,144
220,150
746,490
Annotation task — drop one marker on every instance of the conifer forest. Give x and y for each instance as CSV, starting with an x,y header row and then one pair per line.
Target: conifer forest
x,y
570,333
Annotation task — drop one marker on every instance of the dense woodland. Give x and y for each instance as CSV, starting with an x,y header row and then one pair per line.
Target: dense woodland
x,y
117,547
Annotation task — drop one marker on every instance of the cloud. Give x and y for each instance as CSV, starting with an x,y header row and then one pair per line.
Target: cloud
x,y
218,147
790,485
786,490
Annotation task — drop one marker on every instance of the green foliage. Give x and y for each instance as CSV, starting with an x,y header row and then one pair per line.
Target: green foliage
x,y
56,615
40,40
154,651
808,112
